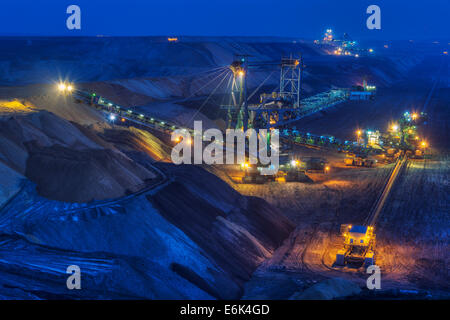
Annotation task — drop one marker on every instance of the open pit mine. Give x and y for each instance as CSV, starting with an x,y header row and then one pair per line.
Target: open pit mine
x,y
87,131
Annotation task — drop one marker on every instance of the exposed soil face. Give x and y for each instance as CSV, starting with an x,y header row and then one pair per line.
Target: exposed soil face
x,y
238,237
57,154
132,139
98,174
193,237
187,239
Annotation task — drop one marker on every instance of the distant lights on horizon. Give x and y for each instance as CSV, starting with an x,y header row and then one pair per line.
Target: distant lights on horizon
x,y
62,86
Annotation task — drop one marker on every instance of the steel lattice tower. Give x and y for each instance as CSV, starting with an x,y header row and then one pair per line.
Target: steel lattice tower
x,y
290,80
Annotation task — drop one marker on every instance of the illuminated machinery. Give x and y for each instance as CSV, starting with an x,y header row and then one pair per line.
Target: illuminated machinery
x,y
358,160
347,42
328,36
314,164
237,114
278,108
347,47
65,88
373,138
369,138
408,125
364,92
293,170
359,244
253,175
403,133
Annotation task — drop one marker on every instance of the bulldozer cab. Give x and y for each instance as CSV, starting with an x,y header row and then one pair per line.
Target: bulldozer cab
x,y
357,235
359,242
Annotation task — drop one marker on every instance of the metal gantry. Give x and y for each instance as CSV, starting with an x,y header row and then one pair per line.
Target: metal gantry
x,y
275,109
237,111
290,80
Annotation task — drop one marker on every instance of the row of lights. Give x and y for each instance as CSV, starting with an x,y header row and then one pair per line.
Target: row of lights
x,y
67,88
394,128
63,87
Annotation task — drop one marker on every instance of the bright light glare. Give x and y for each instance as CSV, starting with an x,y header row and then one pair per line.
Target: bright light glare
x,y
62,87
112,117
65,87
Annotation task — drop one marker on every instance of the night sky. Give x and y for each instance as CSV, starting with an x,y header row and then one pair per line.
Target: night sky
x,y
400,19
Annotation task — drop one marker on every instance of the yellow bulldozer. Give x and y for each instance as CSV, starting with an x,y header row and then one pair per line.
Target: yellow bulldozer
x,y
359,244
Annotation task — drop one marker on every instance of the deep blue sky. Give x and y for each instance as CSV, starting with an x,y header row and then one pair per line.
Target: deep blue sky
x,y
401,19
